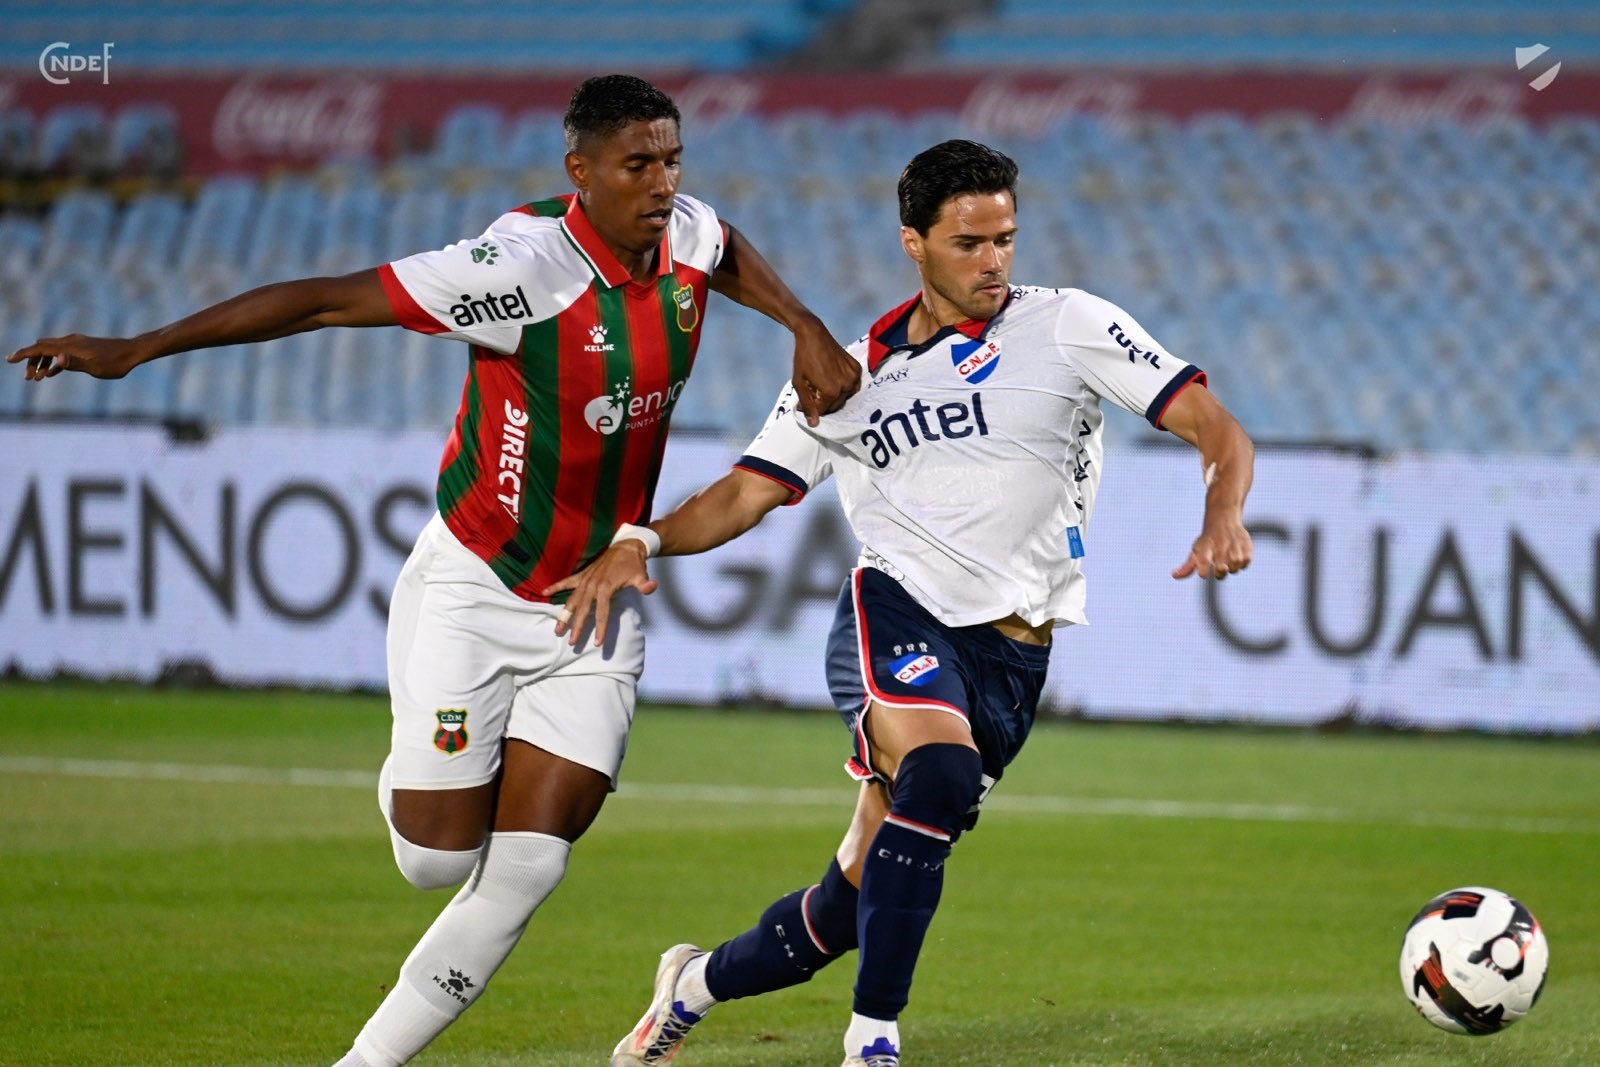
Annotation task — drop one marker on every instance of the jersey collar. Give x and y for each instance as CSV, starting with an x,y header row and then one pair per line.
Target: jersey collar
x,y
890,333
581,232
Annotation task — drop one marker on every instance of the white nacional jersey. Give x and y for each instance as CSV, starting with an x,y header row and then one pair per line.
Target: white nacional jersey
x,y
968,464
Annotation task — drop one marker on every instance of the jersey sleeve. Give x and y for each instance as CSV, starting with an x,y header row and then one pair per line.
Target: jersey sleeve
x,y
477,290
699,238
1118,360
785,452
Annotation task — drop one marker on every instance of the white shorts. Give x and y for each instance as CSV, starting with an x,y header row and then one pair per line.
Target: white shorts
x,y
471,664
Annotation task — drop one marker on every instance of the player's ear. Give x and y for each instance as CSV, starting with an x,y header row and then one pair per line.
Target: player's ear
x,y
578,172
911,241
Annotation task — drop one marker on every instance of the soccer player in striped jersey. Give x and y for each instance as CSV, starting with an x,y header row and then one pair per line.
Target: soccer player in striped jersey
x,y
582,314
967,465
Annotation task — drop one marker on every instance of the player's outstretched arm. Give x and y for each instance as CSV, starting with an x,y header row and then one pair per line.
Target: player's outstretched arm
x,y
824,374
714,516
1227,459
263,314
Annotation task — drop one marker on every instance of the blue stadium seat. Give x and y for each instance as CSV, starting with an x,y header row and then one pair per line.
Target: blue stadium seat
x,y
135,130
217,224
471,136
536,139
17,152
351,235
147,234
20,241
79,229
62,128
281,237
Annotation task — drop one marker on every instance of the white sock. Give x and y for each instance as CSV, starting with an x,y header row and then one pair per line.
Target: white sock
x,y
352,1059
463,948
864,1031
691,990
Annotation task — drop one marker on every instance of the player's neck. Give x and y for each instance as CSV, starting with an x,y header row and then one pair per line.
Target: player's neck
x,y
641,266
932,314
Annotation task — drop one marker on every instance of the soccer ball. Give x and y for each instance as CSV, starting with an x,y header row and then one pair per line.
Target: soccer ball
x,y
1473,961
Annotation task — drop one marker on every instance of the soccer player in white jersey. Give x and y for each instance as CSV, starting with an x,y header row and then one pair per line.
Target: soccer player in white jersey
x,y
582,313
967,466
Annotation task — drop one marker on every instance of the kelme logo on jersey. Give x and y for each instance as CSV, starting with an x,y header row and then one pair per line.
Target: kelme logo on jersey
x,y
491,307
610,413
688,312
904,430
597,340
485,253
451,736
915,669
975,360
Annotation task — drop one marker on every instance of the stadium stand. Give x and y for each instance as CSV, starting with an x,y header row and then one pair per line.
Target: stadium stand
x,y
1264,34
197,36
478,35
1404,287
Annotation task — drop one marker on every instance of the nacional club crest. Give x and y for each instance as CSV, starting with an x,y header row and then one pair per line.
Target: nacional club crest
x,y
975,360
451,736
688,313
915,668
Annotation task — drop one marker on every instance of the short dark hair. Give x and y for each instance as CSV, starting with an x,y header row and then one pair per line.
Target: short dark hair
x,y
602,105
949,169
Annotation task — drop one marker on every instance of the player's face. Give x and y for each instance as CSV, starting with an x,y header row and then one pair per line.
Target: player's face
x,y
965,259
627,182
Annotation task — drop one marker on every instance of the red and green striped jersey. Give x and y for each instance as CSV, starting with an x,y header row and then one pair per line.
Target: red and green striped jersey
x,y
575,369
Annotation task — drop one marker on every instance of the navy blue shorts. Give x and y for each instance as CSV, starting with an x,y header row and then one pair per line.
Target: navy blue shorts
x,y
915,661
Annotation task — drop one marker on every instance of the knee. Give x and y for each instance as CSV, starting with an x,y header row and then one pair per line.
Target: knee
x,y
938,785
432,868
424,867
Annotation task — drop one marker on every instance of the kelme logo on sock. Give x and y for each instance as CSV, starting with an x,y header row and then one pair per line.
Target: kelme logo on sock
x,y
456,985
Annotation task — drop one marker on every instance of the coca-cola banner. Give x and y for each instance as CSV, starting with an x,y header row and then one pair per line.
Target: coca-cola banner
x,y
248,122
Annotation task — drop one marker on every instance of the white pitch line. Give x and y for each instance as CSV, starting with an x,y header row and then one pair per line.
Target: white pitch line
x,y
841,798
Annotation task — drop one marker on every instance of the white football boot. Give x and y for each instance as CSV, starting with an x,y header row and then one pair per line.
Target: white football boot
x,y
881,1053
660,1033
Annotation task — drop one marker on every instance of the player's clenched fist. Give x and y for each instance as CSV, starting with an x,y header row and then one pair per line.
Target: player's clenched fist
x,y
102,357
1221,549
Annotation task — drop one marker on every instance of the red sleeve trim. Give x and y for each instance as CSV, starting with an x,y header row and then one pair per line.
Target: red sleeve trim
x,y
407,312
1198,379
796,494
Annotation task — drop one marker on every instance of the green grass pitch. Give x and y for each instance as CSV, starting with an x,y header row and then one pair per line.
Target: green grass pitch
x,y
211,884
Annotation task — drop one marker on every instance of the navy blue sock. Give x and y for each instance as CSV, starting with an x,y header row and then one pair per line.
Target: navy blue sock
x,y
903,875
795,938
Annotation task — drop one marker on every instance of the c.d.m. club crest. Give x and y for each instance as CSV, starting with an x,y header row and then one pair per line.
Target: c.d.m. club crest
x,y
451,736
688,311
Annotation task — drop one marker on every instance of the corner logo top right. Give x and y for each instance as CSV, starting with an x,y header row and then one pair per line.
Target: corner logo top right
x,y
1528,55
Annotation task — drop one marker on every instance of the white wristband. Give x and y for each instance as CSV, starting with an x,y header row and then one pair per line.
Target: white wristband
x,y
629,532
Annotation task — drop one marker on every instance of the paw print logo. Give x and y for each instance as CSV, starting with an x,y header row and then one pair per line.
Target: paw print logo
x,y
458,981
597,334
486,253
